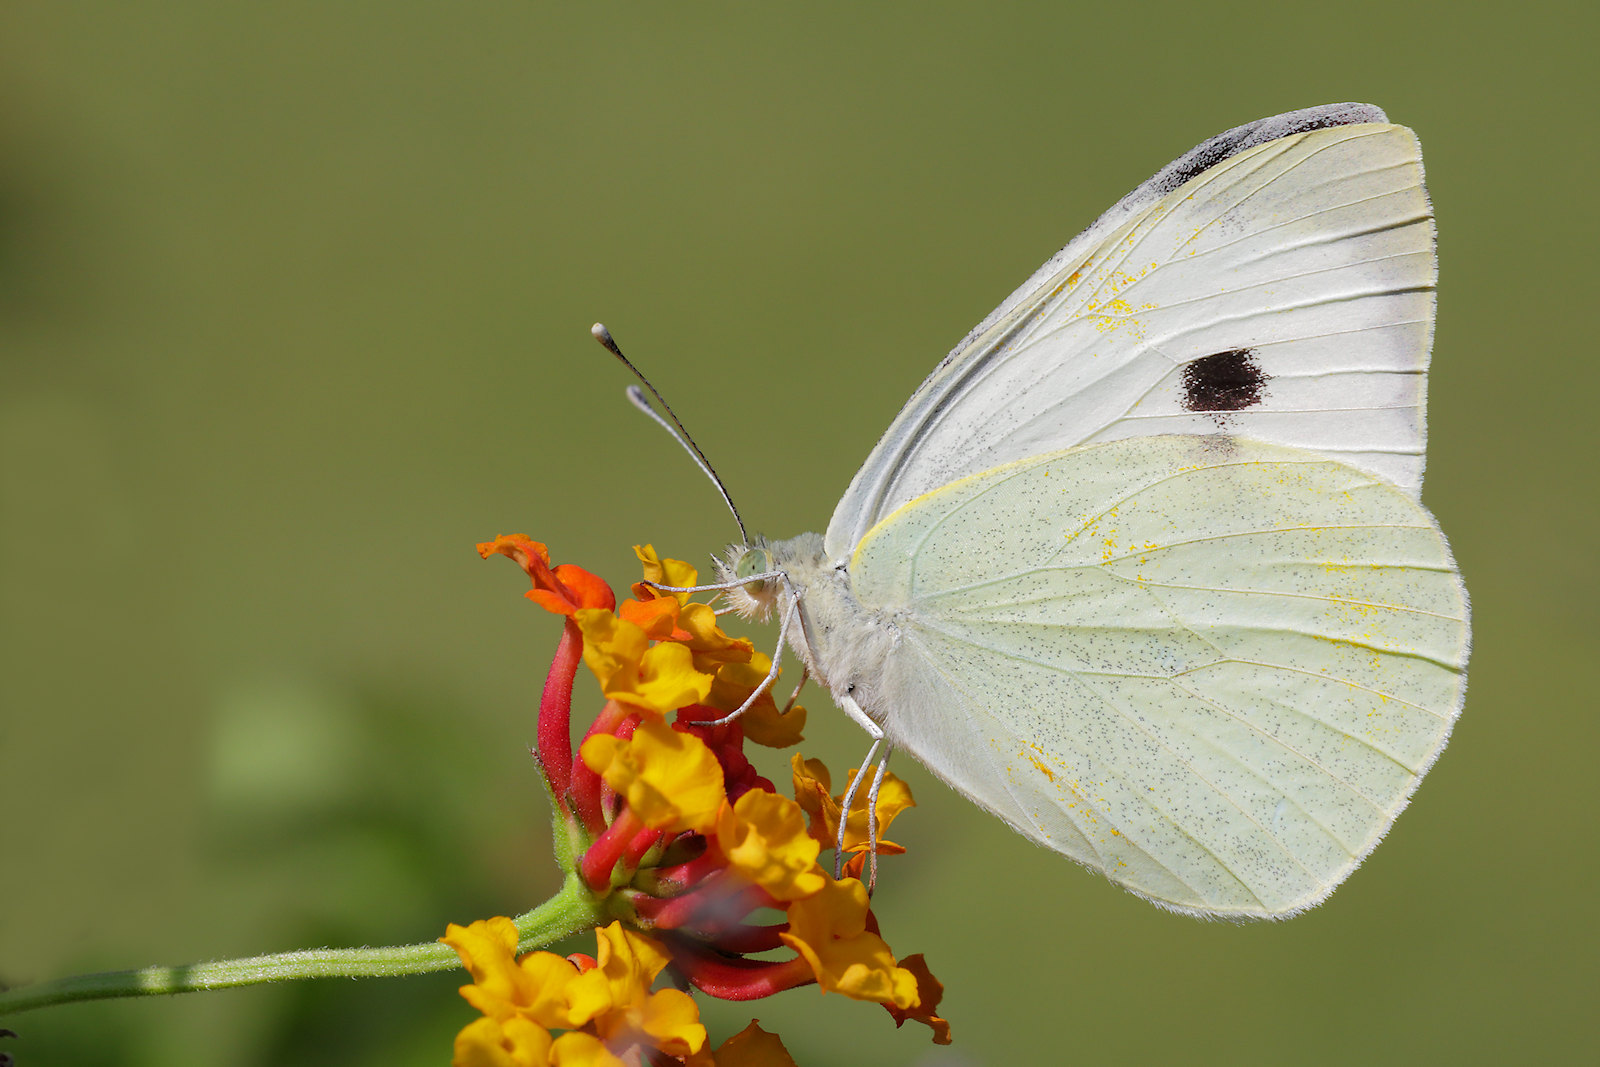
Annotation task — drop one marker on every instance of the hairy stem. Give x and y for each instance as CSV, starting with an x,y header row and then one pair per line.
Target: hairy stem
x,y
570,910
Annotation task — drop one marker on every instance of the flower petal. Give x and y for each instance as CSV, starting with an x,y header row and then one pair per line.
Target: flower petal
x,y
710,645
894,796
658,618
629,960
670,779
672,1020
829,930
514,1043
929,992
563,590
488,950
765,725
611,646
812,790
753,1047
587,590
668,680
662,572
656,679
762,723
764,837
579,1049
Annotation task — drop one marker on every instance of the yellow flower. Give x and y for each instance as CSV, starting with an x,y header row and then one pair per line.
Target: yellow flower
x,y
763,724
504,987
662,572
607,1010
829,929
670,779
764,837
667,1019
517,1042
657,679
579,1049
711,646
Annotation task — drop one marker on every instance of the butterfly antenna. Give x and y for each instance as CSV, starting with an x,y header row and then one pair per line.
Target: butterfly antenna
x,y
680,435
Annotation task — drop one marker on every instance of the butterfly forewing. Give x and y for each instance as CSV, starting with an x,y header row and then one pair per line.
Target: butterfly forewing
x,y
1284,293
1213,668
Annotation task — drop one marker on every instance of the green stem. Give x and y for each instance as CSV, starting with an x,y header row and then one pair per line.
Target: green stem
x,y
570,910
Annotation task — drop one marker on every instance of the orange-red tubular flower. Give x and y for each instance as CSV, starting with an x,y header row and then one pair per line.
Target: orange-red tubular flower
x,y
563,591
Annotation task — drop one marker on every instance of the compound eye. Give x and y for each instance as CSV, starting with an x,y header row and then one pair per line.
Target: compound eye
x,y
754,561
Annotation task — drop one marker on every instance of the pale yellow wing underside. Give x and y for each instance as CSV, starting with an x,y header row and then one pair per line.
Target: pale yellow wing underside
x,y
1213,668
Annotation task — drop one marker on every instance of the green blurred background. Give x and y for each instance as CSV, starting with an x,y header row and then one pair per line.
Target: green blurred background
x,y
294,308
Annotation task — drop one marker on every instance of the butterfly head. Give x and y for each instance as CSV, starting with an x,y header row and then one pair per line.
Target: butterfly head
x,y
747,570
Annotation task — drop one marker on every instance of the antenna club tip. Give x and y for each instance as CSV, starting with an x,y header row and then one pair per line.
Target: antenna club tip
x,y
600,333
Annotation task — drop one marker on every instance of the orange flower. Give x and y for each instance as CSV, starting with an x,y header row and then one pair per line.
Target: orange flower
x,y
562,590
753,1047
658,618
929,992
812,785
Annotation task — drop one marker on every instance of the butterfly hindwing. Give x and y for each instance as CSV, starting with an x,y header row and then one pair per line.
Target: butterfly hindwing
x,y
1214,669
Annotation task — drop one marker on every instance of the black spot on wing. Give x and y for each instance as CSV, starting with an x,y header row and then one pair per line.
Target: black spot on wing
x,y
1226,381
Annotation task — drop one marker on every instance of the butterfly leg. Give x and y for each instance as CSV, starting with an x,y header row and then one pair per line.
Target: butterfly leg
x,y
848,799
872,817
790,609
877,754
805,674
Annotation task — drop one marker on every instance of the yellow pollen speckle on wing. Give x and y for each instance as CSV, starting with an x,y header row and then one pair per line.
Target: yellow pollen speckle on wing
x,y
1040,764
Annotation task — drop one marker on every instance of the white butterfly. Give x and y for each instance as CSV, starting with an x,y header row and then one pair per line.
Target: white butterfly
x,y
1141,566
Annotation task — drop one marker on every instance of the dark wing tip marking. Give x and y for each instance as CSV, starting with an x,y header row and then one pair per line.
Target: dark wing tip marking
x,y
1223,382
1207,154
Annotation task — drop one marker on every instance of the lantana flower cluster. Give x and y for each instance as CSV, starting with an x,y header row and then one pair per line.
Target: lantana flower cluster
x,y
683,842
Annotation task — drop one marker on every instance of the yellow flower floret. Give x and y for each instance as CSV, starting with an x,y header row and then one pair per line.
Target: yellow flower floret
x,y
712,647
670,779
579,1049
662,572
503,987
764,837
667,1018
517,1042
657,679
829,929
763,723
